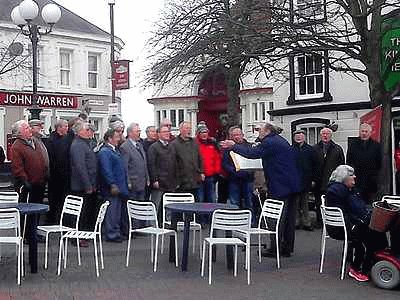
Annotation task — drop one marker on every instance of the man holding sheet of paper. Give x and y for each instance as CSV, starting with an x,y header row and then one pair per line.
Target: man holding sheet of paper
x,y
280,170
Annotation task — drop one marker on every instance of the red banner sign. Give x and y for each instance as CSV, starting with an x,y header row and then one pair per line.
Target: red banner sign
x,y
43,100
121,75
374,119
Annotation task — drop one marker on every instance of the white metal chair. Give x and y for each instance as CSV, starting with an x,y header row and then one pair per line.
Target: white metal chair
x,y
146,211
271,209
333,216
8,197
169,198
228,220
72,206
391,199
323,200
85,235
10,221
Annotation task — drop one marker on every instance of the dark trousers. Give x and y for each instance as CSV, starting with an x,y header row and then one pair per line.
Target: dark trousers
x,y
89,211
58,190
317,197
287,225
223,190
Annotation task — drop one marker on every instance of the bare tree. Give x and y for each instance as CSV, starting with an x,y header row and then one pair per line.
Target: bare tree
x,y
13,57
258,36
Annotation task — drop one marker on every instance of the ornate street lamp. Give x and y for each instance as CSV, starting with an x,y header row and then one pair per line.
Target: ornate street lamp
x,y
23,16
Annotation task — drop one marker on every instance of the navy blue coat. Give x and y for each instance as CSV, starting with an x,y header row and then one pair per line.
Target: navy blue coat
x,y
279,164
112,171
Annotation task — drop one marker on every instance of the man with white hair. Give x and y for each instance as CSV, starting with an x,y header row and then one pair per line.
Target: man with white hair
x,y
329,155
365,156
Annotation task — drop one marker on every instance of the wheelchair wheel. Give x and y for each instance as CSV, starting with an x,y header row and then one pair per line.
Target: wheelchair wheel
x,y
385,275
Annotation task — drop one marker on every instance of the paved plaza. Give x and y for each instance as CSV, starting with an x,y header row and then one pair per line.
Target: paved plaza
x,y
297,279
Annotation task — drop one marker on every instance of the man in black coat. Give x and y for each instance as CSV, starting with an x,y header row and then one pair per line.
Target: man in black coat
x,y
306,164
58,148
329,156
365,156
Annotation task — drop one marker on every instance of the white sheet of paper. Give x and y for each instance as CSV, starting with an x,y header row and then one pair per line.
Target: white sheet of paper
x,y
243,163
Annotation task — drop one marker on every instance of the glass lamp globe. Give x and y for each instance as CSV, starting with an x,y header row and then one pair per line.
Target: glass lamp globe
x,y
16,17
51,13
28,9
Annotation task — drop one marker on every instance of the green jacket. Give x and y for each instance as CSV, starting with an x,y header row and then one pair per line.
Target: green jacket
x,y
188,163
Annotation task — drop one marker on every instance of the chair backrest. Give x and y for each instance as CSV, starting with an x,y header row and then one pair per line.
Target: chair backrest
x,y
323,200
272,209
9,219
101,215
391,199
72,206
169,198
9,197
332,216
235,220
145,211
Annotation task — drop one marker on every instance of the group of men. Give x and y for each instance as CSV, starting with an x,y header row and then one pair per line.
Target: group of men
x,y
125,167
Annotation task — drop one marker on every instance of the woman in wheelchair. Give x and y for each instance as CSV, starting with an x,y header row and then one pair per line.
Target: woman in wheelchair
x,y
363,241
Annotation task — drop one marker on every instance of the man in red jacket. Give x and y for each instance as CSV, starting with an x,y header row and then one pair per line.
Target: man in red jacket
x,y
211,159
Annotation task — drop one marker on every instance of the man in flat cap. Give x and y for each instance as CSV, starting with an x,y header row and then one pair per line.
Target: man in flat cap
x,y
306,165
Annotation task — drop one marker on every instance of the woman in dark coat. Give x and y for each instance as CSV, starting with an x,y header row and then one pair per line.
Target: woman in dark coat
x,y
340,193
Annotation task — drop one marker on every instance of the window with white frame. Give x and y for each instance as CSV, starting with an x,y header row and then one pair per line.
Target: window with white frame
x,y
254,108
259,111
262,111
312,133
164,114
172,114
309,76
158,116
65,67
181,116
93,70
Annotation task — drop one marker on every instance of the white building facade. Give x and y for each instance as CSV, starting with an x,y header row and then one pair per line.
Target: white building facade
x,y
73,73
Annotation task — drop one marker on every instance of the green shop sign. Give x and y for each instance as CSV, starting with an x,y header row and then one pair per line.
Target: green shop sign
x,y
390,59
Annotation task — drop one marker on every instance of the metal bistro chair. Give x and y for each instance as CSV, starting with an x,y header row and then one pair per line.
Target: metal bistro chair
x,y
10,220
333,216
8,197
228,220
169,198
271,209
146,211
85,235
72,206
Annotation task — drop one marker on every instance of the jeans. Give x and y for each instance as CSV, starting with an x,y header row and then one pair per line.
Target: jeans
x,y
207,192
242,190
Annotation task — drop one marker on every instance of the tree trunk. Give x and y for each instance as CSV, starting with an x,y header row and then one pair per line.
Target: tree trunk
x,y
232,77
385,184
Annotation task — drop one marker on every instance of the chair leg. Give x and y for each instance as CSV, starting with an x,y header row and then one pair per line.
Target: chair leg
x,y
128,250
278,262
176,249
204,258
79,252
22,259
209,264
19,264
235,265
344,260
60,250
323,245
151,249
65,252
96,257
101,252
46,250
162,243
194,241
200,239
155,256
259,248
248,260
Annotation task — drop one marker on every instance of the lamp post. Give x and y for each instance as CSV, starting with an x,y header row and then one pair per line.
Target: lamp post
x,y
111,3
23,16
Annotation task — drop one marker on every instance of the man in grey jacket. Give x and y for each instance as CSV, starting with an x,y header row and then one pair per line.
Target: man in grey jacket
x,y
83,176
135,163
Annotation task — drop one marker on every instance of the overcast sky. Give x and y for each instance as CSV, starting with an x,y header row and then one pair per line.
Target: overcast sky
x,y
133,21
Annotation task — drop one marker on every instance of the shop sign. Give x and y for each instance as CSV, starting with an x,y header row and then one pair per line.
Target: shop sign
x,y
121,74
43,100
